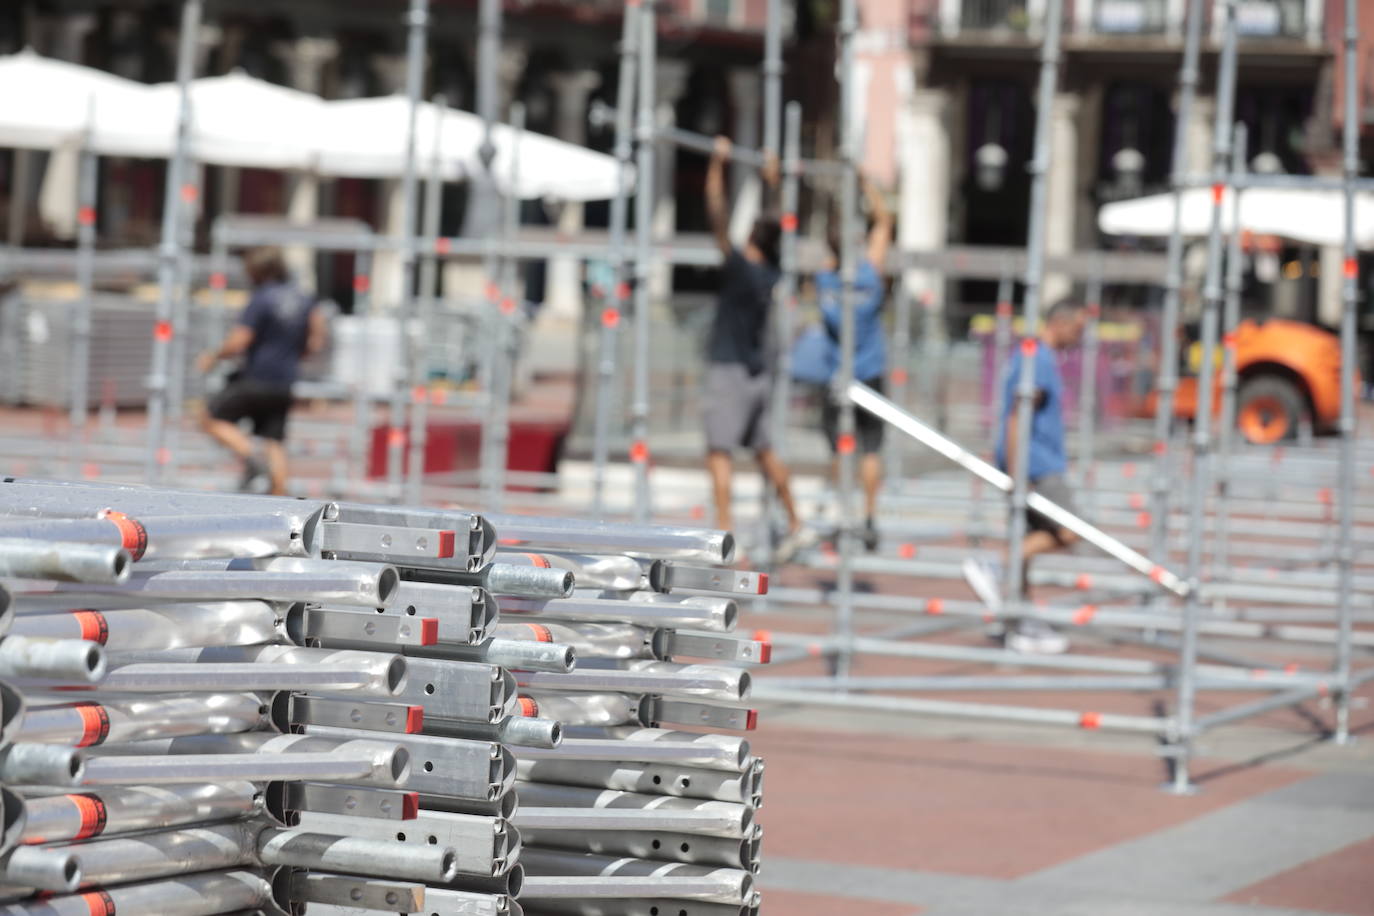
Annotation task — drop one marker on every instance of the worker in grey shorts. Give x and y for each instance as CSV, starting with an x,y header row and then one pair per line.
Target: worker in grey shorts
x,y
1063,328
739,360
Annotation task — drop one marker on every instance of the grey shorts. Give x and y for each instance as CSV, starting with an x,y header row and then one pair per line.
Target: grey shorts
x,y
1056,489
735,406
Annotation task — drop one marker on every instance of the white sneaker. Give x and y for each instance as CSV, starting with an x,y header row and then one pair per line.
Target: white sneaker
x,y
793,544
984,576
1035,637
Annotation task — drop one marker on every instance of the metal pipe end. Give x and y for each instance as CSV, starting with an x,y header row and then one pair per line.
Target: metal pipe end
x,y
12,818
731,614
727,548
119,565
388,580
396,674
448,866
746,684
95,661
515,880
400,765
569,581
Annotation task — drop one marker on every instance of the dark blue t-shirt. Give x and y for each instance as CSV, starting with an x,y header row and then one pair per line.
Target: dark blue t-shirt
x,y
279,317
739,329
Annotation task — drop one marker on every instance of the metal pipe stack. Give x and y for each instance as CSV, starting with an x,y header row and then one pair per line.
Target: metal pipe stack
x,y
221,703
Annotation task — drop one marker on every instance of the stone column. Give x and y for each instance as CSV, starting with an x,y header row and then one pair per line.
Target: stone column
x,y
1062,191
563,291
923,151
670,82
306,59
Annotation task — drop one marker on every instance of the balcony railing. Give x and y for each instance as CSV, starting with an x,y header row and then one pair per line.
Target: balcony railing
x,y
1292,19
1271,18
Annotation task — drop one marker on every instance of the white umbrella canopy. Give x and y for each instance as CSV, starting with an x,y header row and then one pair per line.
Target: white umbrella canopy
x,y
365,138
1313,217
48,103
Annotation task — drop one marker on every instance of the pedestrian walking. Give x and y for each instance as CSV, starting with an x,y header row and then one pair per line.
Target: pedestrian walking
x,y
280,325
1048,465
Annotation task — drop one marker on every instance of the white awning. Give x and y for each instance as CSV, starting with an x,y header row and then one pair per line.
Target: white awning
x,y
1313,217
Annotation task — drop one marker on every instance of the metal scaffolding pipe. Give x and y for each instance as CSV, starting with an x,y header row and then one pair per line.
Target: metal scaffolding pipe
x,y
124,809
61,561
644,216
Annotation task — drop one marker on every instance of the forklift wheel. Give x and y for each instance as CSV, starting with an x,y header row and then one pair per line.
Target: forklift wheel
x,y
1269,409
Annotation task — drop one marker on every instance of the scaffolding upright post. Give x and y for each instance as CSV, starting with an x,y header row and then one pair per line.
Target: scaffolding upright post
x,y
417,22
616,297
785,303
164,326
1345,547
899,375
1087,393
1226,422
362,387
498,429
1001,345
81,324
427,295
849,254
489,24
1035,266
1161,473
644,214
1202,421
772,80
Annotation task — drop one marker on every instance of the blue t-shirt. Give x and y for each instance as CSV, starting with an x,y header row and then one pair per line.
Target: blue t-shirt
x,y
1047,454
870,354
279,317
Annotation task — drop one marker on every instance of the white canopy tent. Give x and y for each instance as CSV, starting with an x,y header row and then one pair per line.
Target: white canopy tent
x,y
238,120
1313,217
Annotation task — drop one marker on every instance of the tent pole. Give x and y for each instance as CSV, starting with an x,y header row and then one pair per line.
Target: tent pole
x,y
164,321
1202,422
617,296
417,21
644,214
1350,304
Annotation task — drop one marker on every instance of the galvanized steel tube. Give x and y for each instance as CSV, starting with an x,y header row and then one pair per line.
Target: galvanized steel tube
x,y
113,810
61,561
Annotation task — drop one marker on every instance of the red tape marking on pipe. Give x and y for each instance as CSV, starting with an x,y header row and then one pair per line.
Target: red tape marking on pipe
x,y
541,632
1128,469
1291,668
1228,340
1142,520
622,291
93,816
845,444
751,721
95,723
763,584
1084,614
162,331
448,541
1324,495
538,560
907,551
410,806
90,470
493,292
429,631
1004,310
765,653
814,650
639,452
1136,501
1090,720
528,707
99,903
935,606
610,317
133,535
1351,268
698,512
788,222
507,306
1083,582
164,455
396,436
218,280
899,376
762,635
1157,574
361,283
94,626
443,245
415,718
1028,346
86,216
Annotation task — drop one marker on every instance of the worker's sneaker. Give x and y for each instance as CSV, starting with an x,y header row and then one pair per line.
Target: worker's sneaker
x,y
1035,637
984,575
254,479
793,544
870,536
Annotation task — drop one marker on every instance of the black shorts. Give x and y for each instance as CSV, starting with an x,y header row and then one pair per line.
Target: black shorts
x,y
868,429
265,404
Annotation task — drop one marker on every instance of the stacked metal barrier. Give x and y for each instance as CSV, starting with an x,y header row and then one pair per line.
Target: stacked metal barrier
x,y
219,704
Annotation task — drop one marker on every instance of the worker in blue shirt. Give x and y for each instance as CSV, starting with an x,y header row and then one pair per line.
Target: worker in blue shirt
x,y
1048,463
870,353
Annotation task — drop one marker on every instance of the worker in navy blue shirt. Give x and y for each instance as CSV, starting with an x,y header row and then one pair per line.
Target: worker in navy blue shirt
x,y
738,381
280,325
1048,463
870,353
